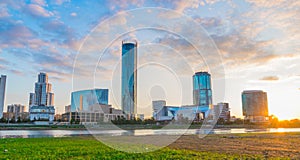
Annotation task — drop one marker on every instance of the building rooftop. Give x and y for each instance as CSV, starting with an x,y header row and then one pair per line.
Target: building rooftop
x,y
252,91
202,73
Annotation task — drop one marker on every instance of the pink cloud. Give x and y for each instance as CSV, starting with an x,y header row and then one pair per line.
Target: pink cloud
x,y
38,11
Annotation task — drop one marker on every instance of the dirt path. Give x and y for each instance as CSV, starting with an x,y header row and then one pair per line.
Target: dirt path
x,y
269,145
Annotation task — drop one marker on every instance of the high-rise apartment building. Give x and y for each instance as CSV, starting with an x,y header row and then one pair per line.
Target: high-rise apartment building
x,y
2,93
129,78
42,95
42,100
202,93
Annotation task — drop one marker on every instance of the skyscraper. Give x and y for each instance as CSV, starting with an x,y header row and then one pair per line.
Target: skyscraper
x,y
255,105
42,95
202,94
42,100
2,93
129,78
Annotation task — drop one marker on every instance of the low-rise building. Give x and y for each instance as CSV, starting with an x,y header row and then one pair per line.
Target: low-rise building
x,y
94,114
42,113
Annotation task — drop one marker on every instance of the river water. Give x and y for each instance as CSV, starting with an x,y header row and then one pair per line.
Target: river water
x,y
141,132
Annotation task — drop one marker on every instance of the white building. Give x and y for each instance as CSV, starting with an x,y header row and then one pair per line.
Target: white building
x,y
41,113
2,93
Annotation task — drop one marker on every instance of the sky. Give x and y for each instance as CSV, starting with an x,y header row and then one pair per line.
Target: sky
x,y
244,44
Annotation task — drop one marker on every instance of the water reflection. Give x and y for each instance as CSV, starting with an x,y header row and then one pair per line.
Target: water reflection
x,y
141,132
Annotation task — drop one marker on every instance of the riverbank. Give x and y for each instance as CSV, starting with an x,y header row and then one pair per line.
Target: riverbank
x,y
233,146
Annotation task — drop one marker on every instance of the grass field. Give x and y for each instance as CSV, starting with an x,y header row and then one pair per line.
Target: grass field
x,y
86,147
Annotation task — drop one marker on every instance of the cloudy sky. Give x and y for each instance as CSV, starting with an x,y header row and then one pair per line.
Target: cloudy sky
x,y
244,44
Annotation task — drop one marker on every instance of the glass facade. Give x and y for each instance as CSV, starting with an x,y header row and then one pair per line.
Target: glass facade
x,y
255,103
202,94
83,100
129,77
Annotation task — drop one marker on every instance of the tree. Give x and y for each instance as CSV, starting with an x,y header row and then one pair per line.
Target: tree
x,y
221,121
3,120
19,120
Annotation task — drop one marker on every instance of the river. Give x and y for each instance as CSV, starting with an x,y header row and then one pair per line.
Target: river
x,y
141,132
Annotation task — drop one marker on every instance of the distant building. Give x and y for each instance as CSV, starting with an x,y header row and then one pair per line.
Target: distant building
x,y
67,108
16,110
42,113
2,93
221,110
202,102
255,105
194,112
42,100
82,100
162,112
11,116
129,78
202,93
157,107
31,99
95,114
42,95
57,117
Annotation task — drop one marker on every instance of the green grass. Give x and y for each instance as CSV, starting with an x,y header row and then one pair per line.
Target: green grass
x,y
86,147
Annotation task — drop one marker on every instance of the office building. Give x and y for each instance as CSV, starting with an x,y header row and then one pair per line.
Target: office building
x,y
16,110
255,105
42,95
2,93
97,113
129,78
202,93
82,100
42,100
222,110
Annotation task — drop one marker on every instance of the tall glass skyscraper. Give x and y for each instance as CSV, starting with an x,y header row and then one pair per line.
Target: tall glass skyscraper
x,y
129,77
2,93
202,94
84,99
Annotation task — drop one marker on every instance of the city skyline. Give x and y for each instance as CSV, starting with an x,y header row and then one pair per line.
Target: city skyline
x,y
259,51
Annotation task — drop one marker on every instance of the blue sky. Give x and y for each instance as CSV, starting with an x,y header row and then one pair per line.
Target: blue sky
x,y
257,41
